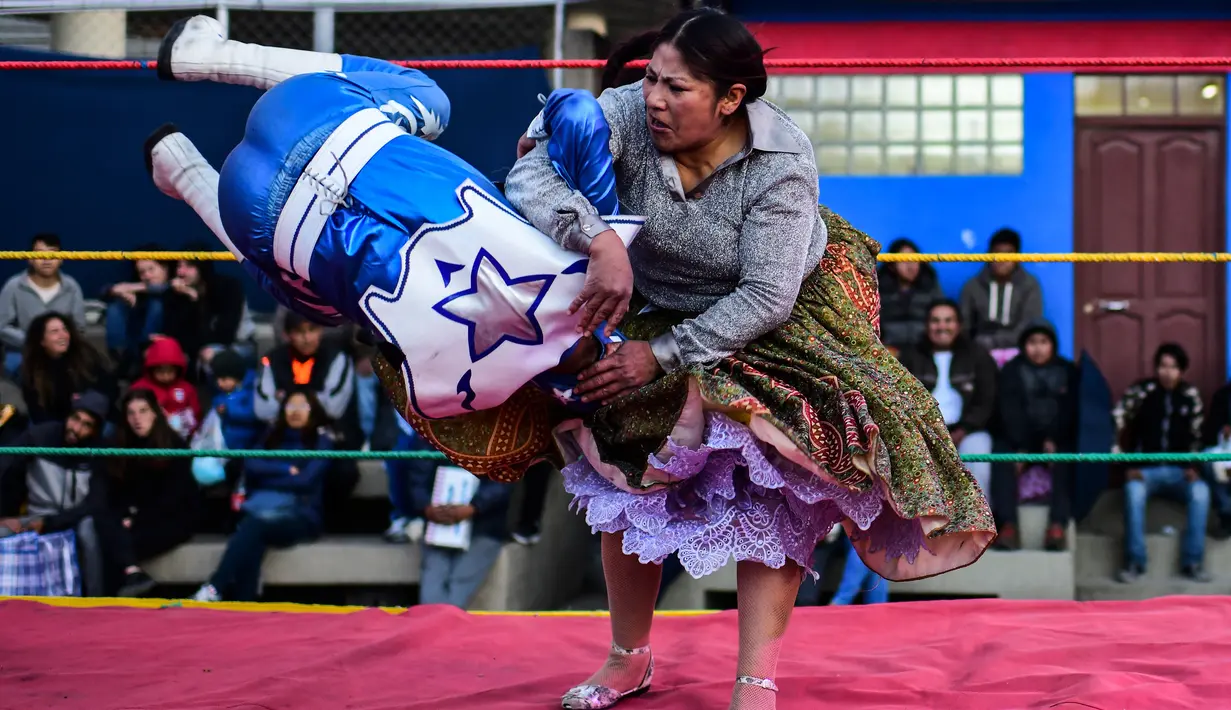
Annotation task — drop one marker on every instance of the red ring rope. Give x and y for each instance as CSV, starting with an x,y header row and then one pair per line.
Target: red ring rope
x,y
1050,63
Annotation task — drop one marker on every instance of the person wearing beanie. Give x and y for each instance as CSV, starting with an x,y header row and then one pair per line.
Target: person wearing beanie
x,y
1037,413
235,401
58,490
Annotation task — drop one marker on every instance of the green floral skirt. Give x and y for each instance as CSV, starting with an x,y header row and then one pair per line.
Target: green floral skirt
x,y
827,405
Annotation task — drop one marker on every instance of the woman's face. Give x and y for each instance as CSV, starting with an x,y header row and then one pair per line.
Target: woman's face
x,y
908,271
140,417
189,272
56,338
298,411
681,109
151,273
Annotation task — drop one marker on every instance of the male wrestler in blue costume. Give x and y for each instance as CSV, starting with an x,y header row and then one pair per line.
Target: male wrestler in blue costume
x,y
340,206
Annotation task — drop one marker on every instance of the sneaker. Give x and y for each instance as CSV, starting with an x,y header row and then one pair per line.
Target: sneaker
x,y
527,535
207,593
1057,539
1131,573
136,584
414,529
1008,538
397,531
1196,573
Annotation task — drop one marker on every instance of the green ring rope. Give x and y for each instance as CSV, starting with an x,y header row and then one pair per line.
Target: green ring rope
x,y
59,451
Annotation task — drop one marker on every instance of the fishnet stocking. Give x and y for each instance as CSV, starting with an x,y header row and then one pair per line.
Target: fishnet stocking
x,y
766,598
632,589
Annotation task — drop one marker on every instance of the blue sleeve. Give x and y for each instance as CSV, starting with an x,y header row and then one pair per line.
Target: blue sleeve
x,y
241,404
422,478
312,472
407,96
491,496
578,143
267,471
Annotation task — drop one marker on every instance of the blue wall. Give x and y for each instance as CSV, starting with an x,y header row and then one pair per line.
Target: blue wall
x,y
935,211
73,162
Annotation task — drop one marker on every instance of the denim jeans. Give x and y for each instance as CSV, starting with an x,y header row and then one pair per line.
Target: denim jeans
x,y
979,442
12,364
238,576
1169,482
451,576
400,471
856,578
126,334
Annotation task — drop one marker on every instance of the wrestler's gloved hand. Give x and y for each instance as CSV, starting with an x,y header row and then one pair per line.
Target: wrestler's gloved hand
x,y
608,287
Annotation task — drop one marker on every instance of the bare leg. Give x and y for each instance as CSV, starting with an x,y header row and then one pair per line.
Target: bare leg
x,y
766,598
632,589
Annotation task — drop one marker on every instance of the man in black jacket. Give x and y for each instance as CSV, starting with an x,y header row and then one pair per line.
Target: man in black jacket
x,y
961,375
1037,407
1163,414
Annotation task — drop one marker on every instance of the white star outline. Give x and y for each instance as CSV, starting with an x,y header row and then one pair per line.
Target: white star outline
x,y
456,306
465,193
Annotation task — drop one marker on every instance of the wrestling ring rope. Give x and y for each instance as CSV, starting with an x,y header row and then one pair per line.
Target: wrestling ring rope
x,y
1108,64
1057,64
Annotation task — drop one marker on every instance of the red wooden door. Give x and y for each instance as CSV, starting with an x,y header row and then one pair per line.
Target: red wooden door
x,y
1143,187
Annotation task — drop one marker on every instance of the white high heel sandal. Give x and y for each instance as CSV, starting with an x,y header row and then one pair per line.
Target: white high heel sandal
x,y
598,697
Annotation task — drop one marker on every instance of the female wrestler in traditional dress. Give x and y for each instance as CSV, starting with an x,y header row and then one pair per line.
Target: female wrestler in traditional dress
x,y
755,405
768,306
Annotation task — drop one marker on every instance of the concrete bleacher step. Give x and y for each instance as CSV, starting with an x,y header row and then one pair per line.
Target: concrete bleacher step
x,y
1029,573
332,560
541,576
1100,556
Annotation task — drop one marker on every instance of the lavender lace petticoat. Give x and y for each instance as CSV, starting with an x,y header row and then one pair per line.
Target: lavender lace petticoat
x,y
734,497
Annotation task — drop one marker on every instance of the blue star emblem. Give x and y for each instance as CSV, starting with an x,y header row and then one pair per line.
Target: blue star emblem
x,y
496,308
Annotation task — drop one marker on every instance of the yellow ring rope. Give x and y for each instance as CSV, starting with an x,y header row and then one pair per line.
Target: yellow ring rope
x,y
1063,258
292,608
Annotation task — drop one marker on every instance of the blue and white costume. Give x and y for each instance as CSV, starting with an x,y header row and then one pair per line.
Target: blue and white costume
x,y
339,204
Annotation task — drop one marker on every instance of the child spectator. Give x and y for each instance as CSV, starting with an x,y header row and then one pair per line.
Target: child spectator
x,y
235,401
282,499
166,370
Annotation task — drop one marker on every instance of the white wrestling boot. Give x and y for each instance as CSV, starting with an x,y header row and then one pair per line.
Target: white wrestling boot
x,y
180,171
196,49
598,697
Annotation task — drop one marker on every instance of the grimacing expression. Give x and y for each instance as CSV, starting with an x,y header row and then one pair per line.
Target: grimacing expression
x,y
682,110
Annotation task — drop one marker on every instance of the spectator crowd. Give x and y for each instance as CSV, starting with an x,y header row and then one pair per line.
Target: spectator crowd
x,y
177,366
